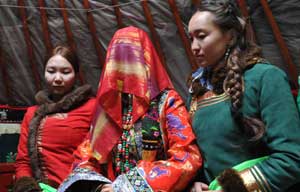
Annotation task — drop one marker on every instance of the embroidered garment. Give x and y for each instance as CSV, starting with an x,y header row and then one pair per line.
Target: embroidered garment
x,y
51,132
267,96
159,143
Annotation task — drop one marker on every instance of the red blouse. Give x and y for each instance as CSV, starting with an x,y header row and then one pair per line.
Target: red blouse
x,y
58,136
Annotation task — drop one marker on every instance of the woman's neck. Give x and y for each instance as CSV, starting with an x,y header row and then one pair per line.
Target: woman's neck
x,y
218,66
56,97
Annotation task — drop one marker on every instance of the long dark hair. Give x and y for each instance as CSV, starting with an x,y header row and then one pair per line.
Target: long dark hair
x,y
240,54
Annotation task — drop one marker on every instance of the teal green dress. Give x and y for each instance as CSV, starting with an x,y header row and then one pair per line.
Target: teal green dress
x,y
267,96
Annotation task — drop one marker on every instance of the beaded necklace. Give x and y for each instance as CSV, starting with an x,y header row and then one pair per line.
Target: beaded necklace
x,y
123,163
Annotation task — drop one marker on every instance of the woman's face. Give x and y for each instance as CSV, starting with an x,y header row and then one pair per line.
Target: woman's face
x,y
208,41
59,75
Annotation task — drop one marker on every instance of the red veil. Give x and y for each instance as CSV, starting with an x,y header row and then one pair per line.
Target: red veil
x,y
132,66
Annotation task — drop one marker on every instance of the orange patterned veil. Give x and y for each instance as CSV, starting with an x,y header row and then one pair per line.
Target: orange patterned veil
x,y
132,66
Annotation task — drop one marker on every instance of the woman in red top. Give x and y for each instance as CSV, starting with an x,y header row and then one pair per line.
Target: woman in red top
x,y
53,129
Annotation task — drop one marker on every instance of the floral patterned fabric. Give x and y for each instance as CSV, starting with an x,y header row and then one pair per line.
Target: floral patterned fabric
x,y
175,163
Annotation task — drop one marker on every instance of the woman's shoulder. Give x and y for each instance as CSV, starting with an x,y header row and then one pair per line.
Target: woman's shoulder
x,y
170,94
31,109
91,101
88,104
259,70
170,98
30,112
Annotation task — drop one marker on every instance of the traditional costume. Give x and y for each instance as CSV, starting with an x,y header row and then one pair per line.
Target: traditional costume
x,y
141,136
266,96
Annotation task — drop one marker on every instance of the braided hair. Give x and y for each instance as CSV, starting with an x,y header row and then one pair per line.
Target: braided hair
x,y
238,55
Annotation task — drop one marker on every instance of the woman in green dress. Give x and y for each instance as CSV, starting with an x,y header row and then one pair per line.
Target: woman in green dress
x,y
244,114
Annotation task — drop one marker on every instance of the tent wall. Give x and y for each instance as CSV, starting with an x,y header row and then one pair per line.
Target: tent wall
x,y
29,28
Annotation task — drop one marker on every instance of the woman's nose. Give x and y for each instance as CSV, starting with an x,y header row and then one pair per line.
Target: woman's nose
x,y
195,46
58,78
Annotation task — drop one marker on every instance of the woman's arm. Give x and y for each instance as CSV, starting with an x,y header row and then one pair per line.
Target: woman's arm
x,y
279,113
83,157
22,160
86,174
24,175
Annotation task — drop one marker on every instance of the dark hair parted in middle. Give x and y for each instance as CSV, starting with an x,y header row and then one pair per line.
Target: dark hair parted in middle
x,y
68,53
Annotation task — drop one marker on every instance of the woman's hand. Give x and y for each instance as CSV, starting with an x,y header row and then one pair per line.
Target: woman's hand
x,y
202,187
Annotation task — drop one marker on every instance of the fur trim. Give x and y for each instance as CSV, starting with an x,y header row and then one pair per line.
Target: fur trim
x,y
230,181
46,106
26,184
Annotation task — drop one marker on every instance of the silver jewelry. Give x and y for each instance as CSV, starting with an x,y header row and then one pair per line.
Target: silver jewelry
x,y
227,53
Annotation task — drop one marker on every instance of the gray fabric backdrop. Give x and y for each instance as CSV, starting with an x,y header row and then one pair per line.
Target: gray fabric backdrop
x,y
15,59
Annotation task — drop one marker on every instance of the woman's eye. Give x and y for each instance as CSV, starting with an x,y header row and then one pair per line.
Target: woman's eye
x,y
201,36
50,71
66,72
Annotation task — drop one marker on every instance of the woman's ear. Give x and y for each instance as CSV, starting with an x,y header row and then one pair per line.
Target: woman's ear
x,y
231,35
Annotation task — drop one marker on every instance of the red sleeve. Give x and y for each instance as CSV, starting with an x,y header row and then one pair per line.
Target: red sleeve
x,y
22,161
83,157
183,156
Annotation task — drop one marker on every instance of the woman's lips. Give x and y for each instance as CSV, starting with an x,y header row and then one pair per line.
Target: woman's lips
x,y
57,87
199,58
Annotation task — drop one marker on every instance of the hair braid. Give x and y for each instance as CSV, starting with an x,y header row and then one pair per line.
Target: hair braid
x,y
234,81
254,128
